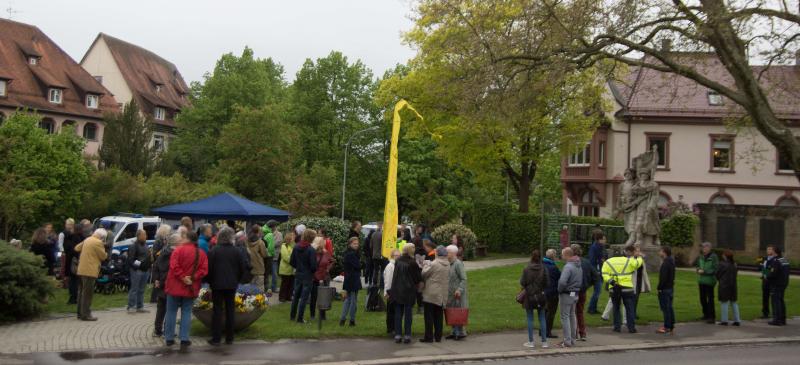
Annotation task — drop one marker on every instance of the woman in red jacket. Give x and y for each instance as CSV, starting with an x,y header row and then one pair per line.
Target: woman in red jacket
x,y
188,265
324,261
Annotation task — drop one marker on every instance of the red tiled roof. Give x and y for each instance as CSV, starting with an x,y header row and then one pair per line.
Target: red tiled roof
x,y
29,84
142,71
646,92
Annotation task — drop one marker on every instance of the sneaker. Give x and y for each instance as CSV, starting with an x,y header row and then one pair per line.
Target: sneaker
x,y
563,345
529,345
398,339
142,310
131,310
545,345
352,323
169,342
736,324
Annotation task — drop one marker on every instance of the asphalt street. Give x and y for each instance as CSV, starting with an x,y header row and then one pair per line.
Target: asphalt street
x,y
721,355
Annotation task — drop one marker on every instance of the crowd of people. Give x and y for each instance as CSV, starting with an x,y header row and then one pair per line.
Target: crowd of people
x,y
546,289
419,272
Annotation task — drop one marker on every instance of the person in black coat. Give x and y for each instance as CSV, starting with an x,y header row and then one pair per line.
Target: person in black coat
x,y
226,267
727,292
72,237
551,291
666,284
160,270
778,280
405,283
351,263
304,262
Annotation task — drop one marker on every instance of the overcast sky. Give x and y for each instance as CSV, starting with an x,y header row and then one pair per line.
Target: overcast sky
x,y
193,34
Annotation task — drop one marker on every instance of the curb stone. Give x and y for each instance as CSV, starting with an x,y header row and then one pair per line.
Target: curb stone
x,y
575,350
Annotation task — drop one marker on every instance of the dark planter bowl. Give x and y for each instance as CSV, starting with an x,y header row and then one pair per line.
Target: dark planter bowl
x,y
242,320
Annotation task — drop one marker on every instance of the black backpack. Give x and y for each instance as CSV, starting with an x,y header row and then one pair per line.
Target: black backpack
x,y
375,301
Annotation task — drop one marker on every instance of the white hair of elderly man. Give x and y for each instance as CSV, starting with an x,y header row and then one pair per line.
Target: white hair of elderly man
x,y
100,233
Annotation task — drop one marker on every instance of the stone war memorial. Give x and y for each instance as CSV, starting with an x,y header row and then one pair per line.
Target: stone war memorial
x,y
639,205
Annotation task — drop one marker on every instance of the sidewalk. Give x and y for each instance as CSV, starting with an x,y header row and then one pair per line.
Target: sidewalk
x,y
385,351
115,329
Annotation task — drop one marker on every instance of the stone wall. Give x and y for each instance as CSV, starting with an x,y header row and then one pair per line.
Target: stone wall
x,y
747,229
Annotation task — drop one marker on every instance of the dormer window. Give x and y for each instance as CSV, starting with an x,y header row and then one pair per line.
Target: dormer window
x,y
33,60
714,98
3,86
159,113
55,96
92,101
158,88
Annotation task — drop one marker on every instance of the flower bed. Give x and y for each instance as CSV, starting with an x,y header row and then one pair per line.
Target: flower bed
x,y
250,303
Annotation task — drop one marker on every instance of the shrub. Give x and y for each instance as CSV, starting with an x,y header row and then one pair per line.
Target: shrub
x,y
679,230
443,235
24,286
335,228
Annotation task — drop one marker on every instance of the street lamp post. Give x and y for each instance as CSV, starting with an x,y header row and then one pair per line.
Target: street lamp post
x,y
344,174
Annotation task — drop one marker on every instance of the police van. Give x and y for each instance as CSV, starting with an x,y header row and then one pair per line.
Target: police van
x,y
122,228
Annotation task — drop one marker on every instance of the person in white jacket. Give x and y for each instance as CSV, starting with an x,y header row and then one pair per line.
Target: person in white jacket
x,y
388,273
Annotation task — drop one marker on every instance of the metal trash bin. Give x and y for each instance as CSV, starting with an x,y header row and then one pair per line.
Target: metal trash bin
x,y
325,296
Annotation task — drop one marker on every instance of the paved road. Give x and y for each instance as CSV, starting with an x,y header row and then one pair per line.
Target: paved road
x,y
726,355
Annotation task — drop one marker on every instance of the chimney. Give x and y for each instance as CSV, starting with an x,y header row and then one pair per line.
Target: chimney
x,y
666,45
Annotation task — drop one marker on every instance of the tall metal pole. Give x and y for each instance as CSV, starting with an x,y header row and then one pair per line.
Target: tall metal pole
x,y
344,173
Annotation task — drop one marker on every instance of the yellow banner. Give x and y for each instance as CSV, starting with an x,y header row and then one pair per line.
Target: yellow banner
x,y
390,214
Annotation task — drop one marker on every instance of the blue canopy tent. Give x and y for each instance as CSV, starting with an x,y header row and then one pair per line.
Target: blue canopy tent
x,y
224,206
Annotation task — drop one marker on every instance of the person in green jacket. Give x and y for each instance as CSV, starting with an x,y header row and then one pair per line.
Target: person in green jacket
x,y
706,267
286,271
270,266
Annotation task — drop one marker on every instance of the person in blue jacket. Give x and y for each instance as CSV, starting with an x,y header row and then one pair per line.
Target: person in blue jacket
x,y
597,255
551,291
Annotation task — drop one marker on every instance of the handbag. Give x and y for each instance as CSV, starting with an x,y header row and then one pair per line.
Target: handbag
x,y
521,296
456,316
73,265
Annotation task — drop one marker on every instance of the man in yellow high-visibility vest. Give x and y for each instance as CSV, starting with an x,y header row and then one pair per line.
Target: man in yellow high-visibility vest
x,y
618,275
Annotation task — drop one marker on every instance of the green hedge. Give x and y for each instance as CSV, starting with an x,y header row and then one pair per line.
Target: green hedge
x,y
488,223
679,230
597,220
24,285
522,232
335,228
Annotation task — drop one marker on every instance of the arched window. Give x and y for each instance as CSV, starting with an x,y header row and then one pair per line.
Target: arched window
x,y
787,201
663,199
721,198
589,205
66,124
90,131
48,125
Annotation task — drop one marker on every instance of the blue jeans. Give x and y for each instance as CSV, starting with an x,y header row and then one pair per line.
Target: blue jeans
x,y
302,292
350,305
459,331
542,324
403,311
274,276
136,291
628,299
665,302
173,303
723,306
598,286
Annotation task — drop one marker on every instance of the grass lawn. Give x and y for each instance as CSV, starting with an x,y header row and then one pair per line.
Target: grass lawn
x,y
493,308
499,256
58,303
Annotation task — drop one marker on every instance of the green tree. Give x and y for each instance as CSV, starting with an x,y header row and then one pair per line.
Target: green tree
x,y
331,98
127,141
310,192
493,119
41,175
258,152
236,82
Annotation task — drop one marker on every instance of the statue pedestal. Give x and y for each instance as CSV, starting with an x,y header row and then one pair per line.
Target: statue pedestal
x,y
652,260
